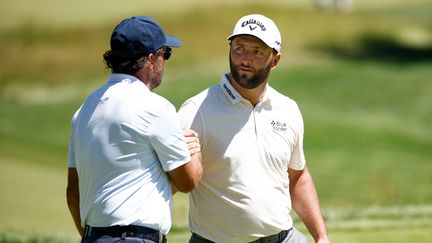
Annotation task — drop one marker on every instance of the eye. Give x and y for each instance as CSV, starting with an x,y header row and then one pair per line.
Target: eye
x,y
259,52
239,49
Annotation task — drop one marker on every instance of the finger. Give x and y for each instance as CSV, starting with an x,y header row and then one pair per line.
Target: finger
x,y
194,145
194,148
192,140
194,151
189,133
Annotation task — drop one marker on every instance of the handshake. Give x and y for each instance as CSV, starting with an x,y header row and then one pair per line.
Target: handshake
x,y
192,141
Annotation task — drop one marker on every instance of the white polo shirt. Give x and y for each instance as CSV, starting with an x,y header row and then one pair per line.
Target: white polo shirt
x,y
244,191
124,139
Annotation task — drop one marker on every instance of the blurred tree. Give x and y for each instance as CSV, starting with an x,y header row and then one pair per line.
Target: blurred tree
x,y
340,5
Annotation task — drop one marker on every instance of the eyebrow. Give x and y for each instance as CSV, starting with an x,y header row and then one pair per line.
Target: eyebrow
x,y
255,46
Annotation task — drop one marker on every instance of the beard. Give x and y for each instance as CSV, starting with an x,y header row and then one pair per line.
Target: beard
x,y
256,80
156,78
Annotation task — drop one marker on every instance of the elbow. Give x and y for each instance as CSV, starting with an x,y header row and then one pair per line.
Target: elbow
x,y
186,188
191,182
190,176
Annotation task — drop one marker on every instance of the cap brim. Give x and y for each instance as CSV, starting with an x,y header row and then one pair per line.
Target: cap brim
x,y
172,41
231,36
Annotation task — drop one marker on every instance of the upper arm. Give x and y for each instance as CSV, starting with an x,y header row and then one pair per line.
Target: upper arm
x,y
187,176
294,176
72,182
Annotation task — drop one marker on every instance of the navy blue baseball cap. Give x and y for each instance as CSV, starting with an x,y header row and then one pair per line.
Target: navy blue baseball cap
x,y
138,36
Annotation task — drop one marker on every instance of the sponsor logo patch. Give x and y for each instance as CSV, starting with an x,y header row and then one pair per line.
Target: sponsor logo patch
x,y
229,91
254,22
278,126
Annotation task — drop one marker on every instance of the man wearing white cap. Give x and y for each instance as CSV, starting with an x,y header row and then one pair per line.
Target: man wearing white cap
x,y
252,149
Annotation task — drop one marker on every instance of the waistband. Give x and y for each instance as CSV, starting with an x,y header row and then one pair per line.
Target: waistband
x,y
124,231
276,238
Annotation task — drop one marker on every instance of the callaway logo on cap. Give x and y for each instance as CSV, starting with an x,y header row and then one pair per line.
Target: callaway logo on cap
x,y
261,27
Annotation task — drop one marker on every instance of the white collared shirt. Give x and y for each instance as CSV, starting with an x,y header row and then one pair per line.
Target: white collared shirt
x,y
124,139
246,152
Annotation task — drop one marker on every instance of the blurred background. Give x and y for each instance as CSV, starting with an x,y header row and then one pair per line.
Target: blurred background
x,y
361,72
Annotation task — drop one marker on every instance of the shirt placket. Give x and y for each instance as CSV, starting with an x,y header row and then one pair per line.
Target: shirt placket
x,y
256,118
255,121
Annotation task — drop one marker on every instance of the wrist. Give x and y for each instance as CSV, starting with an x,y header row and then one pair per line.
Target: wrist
x,y
323,239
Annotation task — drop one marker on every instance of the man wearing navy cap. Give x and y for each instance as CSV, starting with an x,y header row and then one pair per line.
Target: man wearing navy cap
x,y
127,153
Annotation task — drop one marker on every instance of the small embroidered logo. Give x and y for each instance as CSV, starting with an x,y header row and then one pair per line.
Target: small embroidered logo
x,y
229,91
278,126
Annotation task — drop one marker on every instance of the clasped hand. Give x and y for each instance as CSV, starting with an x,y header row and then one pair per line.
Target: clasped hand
x,y
192,141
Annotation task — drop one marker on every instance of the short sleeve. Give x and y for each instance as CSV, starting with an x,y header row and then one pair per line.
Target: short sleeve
x,y
167,139
71,156
298,160
189,118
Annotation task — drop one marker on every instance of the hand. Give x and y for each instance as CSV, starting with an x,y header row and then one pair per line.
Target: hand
x,y
192,141
326,240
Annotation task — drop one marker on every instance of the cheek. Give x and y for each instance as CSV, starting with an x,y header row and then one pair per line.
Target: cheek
x,y
160,67
236,57
231,57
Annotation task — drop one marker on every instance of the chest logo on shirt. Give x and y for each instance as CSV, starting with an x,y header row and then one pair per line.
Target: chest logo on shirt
x,y
278,126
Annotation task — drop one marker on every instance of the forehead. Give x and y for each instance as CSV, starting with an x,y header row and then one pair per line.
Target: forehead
x,y
249,40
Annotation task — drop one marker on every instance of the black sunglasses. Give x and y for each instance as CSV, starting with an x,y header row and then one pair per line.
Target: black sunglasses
x,y
167,53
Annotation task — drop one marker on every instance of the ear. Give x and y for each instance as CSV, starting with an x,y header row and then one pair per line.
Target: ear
x,y
276,60
151,58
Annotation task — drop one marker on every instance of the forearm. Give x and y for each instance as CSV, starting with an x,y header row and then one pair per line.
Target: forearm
x,y
195,170
73,198
75,212
305,202
186,177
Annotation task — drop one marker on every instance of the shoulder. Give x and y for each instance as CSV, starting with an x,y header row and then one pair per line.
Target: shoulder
x,y
203,96
281,99
147,107
159,103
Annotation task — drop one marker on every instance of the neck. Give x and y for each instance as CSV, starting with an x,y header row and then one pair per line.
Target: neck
x,y
144,77
252,95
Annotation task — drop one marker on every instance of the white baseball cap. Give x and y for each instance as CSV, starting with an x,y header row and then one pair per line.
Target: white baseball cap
x,y
261,27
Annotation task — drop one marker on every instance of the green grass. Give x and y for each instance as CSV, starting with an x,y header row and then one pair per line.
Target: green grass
x,y
367,111
364,152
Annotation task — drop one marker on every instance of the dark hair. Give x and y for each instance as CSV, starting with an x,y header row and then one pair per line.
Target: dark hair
x,y
123,64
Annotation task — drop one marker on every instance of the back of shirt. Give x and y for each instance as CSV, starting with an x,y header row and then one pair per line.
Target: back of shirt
x,y
124,139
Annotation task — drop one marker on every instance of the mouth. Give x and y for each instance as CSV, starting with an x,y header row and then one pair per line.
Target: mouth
x,y
245,69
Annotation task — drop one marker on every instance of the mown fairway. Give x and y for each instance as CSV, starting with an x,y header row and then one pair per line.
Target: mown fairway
x,y
362,79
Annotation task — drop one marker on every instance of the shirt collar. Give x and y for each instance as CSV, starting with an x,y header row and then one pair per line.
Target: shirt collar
x,y
229,90
121,77
232,94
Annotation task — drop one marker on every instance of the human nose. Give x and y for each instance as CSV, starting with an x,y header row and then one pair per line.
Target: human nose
x,y
246,57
